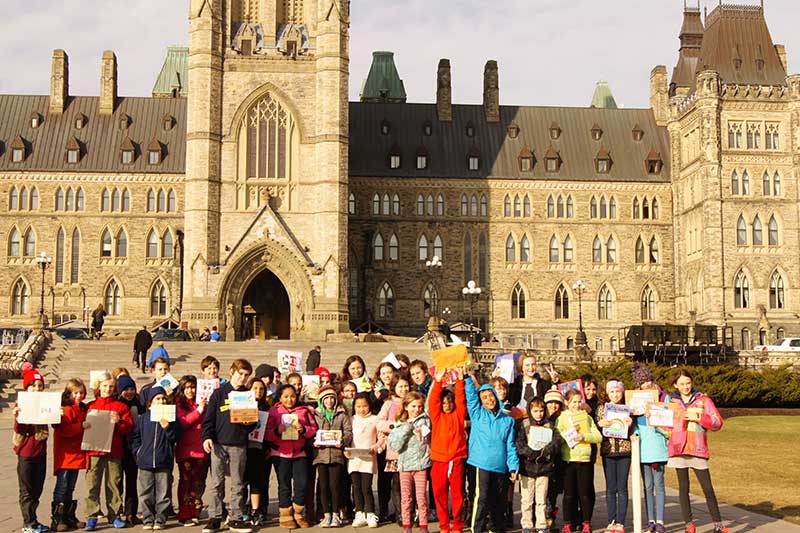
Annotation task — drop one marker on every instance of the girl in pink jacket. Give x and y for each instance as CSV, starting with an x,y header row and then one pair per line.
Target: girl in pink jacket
x,y
695,414
388,480
192,460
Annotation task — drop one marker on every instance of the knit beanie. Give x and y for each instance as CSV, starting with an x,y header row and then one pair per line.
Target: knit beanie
x,y
264,370
327,390
641,374
124,381
153,392
30,375
553,395
615,384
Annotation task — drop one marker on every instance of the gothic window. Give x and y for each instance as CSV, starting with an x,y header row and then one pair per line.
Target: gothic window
x,y
524,249
465,205
377,247
171,201
394,248
385,301
105,201
766,184
554,252
79,200
517,206
612,207
645,209
76,256
772,231
771,137
166,244
482,259
162,201
635,208
422,248
13,200
60,256
511,249
23,198
560,207
69,205
597,250
105,244
506,206
440,205
757,233
151,201
395,204
562,303
429,204
734,134
385,208
376,204
467,258
158,299
29,240
603,207
654,209
551,207
567,249
776,184
420,205
59,198
430,298
115,200
269,133
126,200
605,304
741,231
639,251
152,244
122,243
438,247
745,183
741,291
653,250
351,204
113,296
20,295
776,296
611,250
593,207
473,206
526,206
518,302
753,135
648,303
734,183
484,205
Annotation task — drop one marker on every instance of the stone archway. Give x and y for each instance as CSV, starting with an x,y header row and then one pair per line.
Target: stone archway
x,y
266,311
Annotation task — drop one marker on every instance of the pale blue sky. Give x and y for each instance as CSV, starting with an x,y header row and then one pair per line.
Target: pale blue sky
x,y
550,52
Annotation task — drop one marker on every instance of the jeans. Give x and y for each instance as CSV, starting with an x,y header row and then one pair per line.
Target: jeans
x,y
617,470
153,486
226,459
31,472
654,495
704,477
66,478
292,478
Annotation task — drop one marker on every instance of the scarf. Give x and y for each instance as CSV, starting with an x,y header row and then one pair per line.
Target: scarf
x,y
327,413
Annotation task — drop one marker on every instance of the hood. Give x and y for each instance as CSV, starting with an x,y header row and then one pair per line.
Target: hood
x,y
486,386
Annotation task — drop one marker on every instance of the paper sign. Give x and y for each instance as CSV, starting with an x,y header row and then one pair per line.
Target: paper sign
x,y
569,385
660,415
94,378
97,437
289,362
328,438
448,378
311,384
581,420
504,364
205,388
362,384
257,435
159,412
539,437
363,454
243,405
290,432
451,357
570,436
616,414
39,407
168,381
392,360
638,399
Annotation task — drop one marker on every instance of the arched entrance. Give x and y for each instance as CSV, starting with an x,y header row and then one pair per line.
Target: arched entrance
x,y
266,312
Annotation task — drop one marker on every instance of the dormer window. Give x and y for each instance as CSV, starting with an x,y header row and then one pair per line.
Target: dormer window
x,y
127,157
154,152
474,162
637,133
73,151
552,160
427,129
36,120
385,128
394,157
653,163
470,130
127,151
597,132
167,122
526,160
123,122
80,121
18,151
602,162
513,131
422,158
555,131
737,58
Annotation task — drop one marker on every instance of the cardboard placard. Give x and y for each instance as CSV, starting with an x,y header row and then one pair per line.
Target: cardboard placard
x,y
616,414
289,362
159,412
363,454
290,432
97,437
451,357
539,437
328,438
243,407
205,388
39,407
579,424
504,364
168,381
257,435
94,378
569,385
638,399
661,415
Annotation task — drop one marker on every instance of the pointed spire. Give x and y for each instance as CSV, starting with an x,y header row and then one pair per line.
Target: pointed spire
x,y
602,97
383,83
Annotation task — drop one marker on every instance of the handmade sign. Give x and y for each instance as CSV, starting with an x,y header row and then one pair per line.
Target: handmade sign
x,y
661,415
451,357
311,385
539,437
638,399
159,412
97,437
205,388
579,424
328,438
243,406
575,384
290,432
449,377
257,435
391,358
363,454
94,378
168,381
39,407
616,414
504,366
290,361
362,384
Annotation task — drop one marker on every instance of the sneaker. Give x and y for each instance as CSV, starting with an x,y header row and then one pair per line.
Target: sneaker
x,y
360,519
620,528
651,526
719,528
91,524
691,528
239,526
147,526
423,530
611,528
158,526
586,527
212,526
335,520
119,523
372,520
660,528
41,527
326,520
432,515
542,530
566,528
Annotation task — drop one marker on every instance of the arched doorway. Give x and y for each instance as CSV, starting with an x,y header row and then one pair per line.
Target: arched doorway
x,y
266,312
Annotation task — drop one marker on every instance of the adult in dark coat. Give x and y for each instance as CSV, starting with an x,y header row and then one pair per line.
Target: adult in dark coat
x,y
313,360
529,384
98,319
141,343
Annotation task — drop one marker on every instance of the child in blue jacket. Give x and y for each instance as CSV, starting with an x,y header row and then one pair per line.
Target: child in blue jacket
x,y
492,452
153,445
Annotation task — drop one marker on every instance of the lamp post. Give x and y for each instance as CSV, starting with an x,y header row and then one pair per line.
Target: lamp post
x,y
471,293
43,260
435,266
580,338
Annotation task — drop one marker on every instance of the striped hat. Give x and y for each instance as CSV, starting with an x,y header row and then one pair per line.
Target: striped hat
x,y
553,395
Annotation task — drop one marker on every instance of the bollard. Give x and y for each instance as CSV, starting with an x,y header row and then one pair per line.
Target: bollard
x,y
636,484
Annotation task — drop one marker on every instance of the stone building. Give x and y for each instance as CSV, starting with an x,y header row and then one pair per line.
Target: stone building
x,y
248,192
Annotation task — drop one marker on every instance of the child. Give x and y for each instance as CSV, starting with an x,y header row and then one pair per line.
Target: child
x,y
126,393
448,450
330,460
355,370
153,445
349,392
106,467
554,403
410,439
189,454
257,471
653,455
501,389
68,458
226,441
536,465
492,452
577,468
616,454
590,392
161,368
30,445
388,481
365,437
418,372
289,427
688,445
209,367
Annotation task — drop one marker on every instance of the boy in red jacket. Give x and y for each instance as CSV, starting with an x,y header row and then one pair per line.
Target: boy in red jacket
x,y
448,411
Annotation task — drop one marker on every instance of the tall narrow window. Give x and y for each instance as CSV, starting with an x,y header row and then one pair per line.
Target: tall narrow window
x,y
171,201
467,258
106,242
484,206
776,184
162,201
741,291
376,204
420,205
734,134
69,205
517,206
648,304
511,249
112,298
745,183
776,300
603,207
422,248
605,304
115,200
524,249
438,247
152,244
385,302
19,298
60,256
766,184
506,206
772,228
741,231
430,298
518,302
473,206
385,209
74,275
158,299
126,200
34,198
757,234
13,199
394,248
440,205
645,209
635,208
734,183
482,260
430,205
593,208
560,207
14,243
395,204
105,201
654,209
597,250
554,255
612,208
351,204
166,244
551,207
562,303
465,206
611,250
23,198
59,199
122,243
526,206
653,250
30,243
79,200
568,249
151,201
639,251
570,207
377,247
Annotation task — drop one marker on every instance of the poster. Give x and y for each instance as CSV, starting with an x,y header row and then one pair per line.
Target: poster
x,y
574,384
660,415
616,414
449,377
290,432
257,435
392,360
97,437
362,384
579,425
168,381
159,412
539,437
39,407
451,357
504,366
205,388
311,386
364,454
243,406
289,362
328,438
638,399
94,378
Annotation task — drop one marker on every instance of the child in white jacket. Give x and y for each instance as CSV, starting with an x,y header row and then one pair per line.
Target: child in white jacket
x,y
360,467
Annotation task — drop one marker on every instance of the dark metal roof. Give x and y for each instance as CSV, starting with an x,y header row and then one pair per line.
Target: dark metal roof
x,y
99,139
449,146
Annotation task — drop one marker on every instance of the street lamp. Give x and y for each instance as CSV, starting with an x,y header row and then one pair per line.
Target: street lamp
x,y
43,261
471,293
580,338
435,265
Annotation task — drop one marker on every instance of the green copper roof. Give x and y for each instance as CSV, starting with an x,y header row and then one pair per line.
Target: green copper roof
x,y
383,83
602,96
173,73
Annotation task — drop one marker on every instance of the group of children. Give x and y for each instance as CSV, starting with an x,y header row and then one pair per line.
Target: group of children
x,y
445,445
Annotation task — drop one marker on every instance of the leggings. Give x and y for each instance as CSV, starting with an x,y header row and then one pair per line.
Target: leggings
x,y
414,484
704,477
362,492
577,488
330,484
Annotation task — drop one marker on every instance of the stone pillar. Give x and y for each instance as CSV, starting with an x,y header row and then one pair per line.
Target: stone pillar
x,y
659,94
108,83
491,92
59,82
444,92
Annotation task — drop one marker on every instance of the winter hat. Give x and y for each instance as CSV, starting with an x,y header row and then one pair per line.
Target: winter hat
x,y
641,374
553,395
327,390
615,384
153,392
124,381
264,370
29,375
323,372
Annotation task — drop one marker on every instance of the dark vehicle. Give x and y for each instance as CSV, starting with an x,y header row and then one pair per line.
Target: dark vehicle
x,y
72,334
172,335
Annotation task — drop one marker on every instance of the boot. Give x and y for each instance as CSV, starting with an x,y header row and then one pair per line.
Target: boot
x,y
57,517
298,516
70,518
286,519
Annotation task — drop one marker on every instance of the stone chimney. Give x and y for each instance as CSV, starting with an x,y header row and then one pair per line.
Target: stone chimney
x,y
444,92
108,83
781,50
59,82
491,92
659,94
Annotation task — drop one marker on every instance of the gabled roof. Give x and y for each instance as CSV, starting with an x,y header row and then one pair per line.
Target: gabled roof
x,y
173,73
383,83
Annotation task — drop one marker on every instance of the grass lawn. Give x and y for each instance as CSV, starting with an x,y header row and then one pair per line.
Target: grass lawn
x,y
755,464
